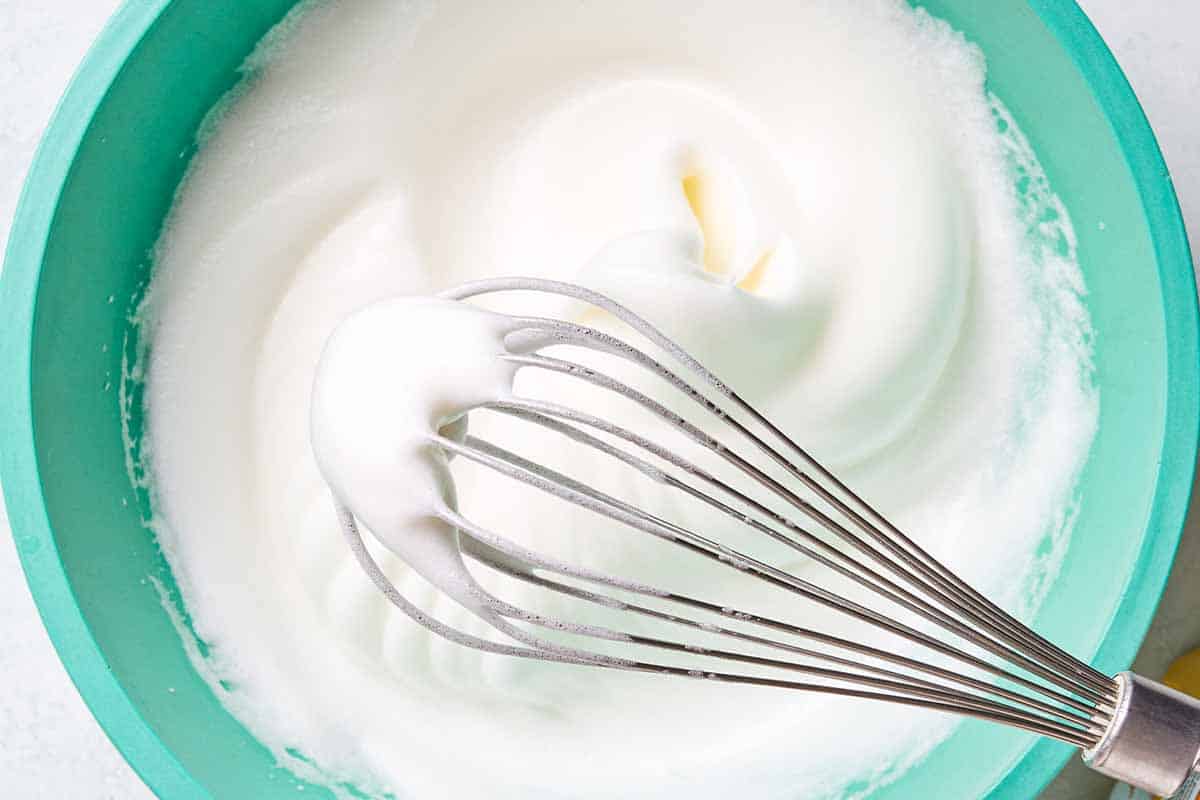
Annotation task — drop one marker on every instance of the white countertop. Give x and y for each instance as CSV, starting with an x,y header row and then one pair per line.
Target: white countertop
x,y
50,747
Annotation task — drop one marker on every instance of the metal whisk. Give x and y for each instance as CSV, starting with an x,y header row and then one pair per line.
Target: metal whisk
x,y
973,658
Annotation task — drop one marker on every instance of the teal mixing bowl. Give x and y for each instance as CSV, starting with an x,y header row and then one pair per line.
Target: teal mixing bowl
x,y
78,258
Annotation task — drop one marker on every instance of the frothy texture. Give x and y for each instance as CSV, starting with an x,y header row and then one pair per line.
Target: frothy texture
x,y
391,377
818,200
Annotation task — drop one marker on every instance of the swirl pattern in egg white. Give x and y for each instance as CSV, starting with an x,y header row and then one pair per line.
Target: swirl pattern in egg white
x,y
816,199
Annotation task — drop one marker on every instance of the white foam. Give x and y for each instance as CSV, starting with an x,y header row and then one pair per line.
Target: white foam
x,y
939,357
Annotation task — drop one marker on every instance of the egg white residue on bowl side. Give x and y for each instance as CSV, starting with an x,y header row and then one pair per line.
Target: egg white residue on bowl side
x,y
820,200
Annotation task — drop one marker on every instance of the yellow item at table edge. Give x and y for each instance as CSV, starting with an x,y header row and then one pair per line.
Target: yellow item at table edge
x,y
1184,674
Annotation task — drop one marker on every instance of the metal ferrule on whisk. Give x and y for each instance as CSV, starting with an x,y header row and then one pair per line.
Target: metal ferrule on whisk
x,y
1153,739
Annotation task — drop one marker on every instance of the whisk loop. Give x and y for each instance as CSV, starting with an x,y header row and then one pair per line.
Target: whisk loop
x,y
970,657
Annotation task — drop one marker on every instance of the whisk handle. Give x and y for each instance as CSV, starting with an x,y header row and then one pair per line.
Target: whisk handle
x,y
1153,741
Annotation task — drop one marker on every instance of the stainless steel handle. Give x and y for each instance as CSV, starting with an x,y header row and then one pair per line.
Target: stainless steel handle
x,y
1153,741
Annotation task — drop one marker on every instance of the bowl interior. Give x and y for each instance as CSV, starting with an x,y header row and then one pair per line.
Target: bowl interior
x,y
78,260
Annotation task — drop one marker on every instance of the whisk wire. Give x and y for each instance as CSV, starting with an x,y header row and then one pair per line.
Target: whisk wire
x,y
1064,725
556,483
600,340
986,638
946,586
827,555
1012,676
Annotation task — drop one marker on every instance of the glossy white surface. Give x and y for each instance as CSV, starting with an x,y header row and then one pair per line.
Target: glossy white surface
x,y
50,747
761,234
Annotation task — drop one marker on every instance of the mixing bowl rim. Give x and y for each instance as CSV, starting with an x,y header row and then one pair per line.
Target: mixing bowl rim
x,y
32,225
35,219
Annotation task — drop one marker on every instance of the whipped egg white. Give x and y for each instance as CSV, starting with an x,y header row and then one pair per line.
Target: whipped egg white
x,y
818,200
